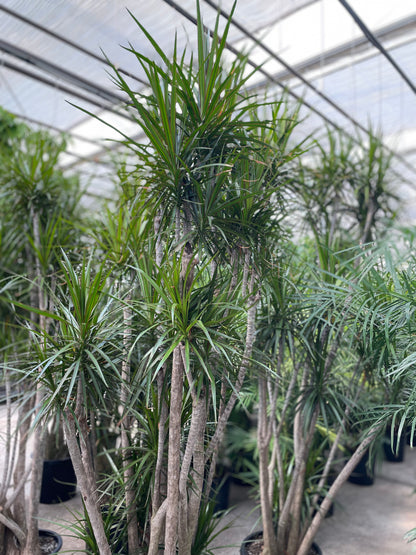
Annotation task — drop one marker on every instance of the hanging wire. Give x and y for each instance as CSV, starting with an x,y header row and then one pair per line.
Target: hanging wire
x,y
353,72
401,106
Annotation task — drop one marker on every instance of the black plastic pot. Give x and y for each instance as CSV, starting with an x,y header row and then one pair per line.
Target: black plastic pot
x,y
255,536
50,542
409,440
220,492
50,534
58,481
363,473
330,511
394,453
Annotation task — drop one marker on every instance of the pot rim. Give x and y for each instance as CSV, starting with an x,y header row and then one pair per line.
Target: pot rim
x,y
259,533
51,533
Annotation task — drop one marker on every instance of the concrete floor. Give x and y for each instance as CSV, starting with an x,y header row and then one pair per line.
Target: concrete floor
x,y
372,520
368,520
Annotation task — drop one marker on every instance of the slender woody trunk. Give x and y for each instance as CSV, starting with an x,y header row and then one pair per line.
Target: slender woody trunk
x,y
11,523
160,485
266,485
212,455
334,489
253,300
192,472
159,494
32,540
172,516
24,422
84,471
128,470
286,524
268,428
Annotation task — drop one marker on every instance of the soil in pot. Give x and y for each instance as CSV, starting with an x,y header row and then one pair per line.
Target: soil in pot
x,y
50,542
253,545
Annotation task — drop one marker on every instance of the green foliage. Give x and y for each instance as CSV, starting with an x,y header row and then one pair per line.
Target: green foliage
x,y
114,520
209,528
10,130
199,232
347,190
31,177
83,348
210,151
207,321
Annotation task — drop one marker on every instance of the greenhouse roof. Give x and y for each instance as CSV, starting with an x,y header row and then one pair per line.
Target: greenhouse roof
x,y
353,64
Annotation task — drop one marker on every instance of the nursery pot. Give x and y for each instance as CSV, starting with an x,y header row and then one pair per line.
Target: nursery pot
x,y
47,539
363,473
49,542
58,481
253,542
409,440
220,491
395,454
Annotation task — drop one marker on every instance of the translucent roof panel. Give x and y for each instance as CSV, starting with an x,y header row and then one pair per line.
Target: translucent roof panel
x,y
52,57
99,28
369,91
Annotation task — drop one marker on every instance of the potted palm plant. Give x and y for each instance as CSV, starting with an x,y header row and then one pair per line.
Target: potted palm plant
x,y
311,335
37,194
206,184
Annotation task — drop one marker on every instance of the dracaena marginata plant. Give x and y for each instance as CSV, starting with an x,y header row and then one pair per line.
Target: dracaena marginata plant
x,y
305,340
36,199
394,330
209,180
319,360
76,363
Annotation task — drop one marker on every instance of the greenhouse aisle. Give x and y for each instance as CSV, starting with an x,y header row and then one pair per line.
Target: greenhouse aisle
x,y
367,520
372,520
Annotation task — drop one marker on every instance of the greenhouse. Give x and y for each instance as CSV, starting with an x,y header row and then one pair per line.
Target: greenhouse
x,y
207,297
